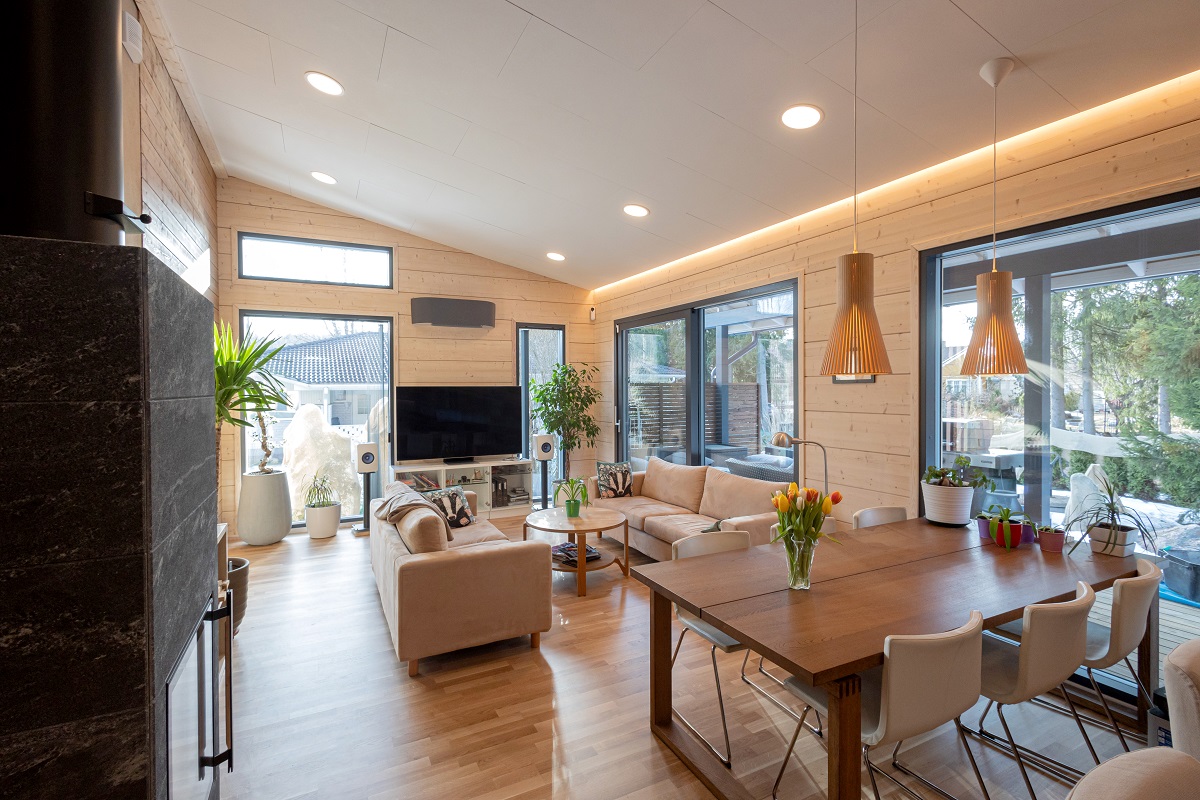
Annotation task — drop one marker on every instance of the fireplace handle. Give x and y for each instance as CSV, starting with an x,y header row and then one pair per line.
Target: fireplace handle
x,y
225,612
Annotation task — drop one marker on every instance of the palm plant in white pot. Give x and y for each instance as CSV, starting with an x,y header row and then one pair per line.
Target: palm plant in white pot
x,y
322,508
949,491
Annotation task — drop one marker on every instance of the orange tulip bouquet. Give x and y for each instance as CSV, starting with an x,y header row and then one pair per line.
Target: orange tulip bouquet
x,y
802,512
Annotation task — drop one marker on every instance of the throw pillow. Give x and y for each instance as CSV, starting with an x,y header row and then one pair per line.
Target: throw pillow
x,y
614,479
453,503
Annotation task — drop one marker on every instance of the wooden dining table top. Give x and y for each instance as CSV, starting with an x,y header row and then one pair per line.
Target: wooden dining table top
x,y
909,577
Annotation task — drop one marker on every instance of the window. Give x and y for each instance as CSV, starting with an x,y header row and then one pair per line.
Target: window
x,y
540,348
281,258
710,384
1109,308
337,373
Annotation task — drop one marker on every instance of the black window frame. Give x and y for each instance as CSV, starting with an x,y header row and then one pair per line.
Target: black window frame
x,y
391,254
523,371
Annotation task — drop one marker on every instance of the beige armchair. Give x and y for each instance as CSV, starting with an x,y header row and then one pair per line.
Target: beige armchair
x,y
1182,674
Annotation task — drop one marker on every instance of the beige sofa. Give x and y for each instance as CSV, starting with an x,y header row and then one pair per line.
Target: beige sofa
x,y
671,501
481,588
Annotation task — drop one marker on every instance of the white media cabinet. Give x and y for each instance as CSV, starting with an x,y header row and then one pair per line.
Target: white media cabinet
x,y
474,476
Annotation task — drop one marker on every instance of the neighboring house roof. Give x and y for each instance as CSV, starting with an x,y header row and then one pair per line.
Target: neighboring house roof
x,y
356,358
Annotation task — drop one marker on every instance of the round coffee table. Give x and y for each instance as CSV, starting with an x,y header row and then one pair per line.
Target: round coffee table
x,y
590,520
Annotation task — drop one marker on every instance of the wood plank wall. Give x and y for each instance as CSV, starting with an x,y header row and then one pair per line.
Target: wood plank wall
x,y
1139,147
421,355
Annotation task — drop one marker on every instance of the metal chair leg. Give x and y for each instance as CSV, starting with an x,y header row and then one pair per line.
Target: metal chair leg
x,y
787,755
1016,752
1107,711
1078,722
721,705
909,771
678,645
1055,768
816,731
724,758
871,772
962,737
1138,681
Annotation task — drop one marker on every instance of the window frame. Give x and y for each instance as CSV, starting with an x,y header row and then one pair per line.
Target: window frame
x,y
693,315
522,367
391,254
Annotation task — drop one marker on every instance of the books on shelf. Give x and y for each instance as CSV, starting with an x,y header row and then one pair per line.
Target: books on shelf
x,y
565,554
418,481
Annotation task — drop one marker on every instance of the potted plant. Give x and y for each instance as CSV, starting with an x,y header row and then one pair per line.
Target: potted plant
x,y
322,508
562,405
1051,538
1113,529
576,491
802,512
244,386
1004,527
948,492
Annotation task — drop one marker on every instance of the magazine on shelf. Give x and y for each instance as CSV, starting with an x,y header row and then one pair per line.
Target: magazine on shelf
x,y
565,554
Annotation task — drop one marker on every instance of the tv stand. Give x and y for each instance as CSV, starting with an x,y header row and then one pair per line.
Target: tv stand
x,y
484,476
459,460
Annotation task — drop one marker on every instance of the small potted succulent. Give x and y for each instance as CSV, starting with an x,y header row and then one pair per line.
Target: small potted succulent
x,y
322,508
1113,529
1005,527
1051,538
949,491
577,494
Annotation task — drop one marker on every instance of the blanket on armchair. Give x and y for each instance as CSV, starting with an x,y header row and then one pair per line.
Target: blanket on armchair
x,y
396,506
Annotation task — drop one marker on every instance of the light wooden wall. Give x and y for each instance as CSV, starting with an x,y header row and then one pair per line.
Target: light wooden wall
x,y
1138,147
421,354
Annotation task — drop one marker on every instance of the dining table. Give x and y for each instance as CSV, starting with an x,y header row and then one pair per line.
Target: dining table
x,y
910,577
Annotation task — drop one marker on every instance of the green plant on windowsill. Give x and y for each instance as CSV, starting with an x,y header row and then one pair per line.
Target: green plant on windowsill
x,y
1002,518
1111,525
961,474
319,493
576,492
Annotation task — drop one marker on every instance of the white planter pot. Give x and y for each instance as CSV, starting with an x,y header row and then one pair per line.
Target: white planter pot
x,y
1120,543
322,522
264,513
948,505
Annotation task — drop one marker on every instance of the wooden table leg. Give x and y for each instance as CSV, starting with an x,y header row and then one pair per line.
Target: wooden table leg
x,y
660,659
625,561
845,733
580,540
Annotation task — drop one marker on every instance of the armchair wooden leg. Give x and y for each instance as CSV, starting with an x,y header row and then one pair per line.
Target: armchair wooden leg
x,y
535,640
412,667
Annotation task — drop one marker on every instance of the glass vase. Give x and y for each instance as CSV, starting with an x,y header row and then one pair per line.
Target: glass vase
x,y
800,552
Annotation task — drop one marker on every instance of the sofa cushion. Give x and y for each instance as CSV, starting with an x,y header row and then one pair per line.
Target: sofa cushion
x,y
638,508
677,526
727,495
423,530
481,531
677,484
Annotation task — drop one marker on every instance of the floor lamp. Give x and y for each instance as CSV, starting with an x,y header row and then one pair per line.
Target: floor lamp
x,y
782,439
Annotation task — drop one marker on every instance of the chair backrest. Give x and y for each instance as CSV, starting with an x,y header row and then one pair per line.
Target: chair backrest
x,y
1182,671
879,515
1053,643
928,680
703,544
1131,608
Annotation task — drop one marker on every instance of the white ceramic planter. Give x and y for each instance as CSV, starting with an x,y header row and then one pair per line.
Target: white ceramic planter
x,y
948,505
1121,543
322,522
264,513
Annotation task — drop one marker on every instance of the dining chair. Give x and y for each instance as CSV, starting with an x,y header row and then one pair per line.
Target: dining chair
x,y
1053,645
1156,773
1182,672
702,544
879,515
925,681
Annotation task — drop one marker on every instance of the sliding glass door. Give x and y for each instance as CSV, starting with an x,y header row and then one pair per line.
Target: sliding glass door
x,y
540,348
337,374
654,418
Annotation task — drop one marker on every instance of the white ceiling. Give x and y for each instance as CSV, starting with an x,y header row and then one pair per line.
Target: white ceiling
x,y
510,129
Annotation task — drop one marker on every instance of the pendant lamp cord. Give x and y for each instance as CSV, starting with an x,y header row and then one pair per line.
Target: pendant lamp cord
x,y
855,124
995,138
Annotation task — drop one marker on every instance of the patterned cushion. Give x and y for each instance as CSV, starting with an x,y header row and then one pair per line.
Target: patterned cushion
x,y
615,479
453,503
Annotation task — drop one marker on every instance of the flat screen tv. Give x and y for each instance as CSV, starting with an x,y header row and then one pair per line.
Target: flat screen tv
x,y
457,423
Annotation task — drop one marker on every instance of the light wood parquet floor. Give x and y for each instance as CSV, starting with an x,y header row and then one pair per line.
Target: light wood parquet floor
x,y
323,709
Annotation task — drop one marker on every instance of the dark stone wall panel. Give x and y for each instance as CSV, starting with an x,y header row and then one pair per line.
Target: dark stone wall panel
x,y
184,574
70,320
183,462
179,320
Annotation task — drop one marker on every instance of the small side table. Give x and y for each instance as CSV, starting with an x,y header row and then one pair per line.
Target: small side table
x,y
590,520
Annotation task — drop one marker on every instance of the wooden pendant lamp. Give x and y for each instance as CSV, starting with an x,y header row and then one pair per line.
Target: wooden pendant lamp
x,y
855,349
995,347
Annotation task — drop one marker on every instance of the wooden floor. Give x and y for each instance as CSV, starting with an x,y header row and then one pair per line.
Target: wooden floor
x,y
323,709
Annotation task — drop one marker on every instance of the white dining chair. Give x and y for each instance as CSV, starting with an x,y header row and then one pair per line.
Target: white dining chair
x,y
925,681
702,544
1053,645
1182,672
1156,773
879,515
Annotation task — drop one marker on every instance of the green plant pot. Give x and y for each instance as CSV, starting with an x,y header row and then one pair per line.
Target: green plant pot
x,y
572,507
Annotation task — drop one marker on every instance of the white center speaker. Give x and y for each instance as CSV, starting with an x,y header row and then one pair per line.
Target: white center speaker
x,y
543,447
366,457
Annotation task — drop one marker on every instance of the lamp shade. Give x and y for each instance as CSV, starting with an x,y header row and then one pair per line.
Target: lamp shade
x,y
995,347
855,341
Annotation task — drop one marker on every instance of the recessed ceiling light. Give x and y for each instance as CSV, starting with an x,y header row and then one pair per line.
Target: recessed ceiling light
x,y
634,210
323,178
323,83
802,116
556,256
